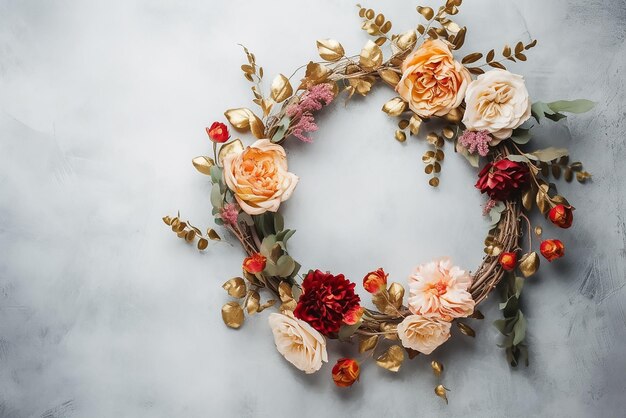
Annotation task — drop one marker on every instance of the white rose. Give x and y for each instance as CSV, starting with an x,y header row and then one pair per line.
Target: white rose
x,y
298,342
423,333
497,102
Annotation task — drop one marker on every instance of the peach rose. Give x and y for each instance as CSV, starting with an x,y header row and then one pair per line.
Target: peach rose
x,y
440,289
423,333
496,102
432,82
258,177
298,342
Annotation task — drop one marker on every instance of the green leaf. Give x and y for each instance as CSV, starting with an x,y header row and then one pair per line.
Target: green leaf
x,y
279,222
216,196
519,285
519,330
548,154
521,136
216,174
285,265
267,244
572,106
517,158
500,324
346,331
283,125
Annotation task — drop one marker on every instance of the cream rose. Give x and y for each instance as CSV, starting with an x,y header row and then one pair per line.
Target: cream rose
x,y
258,177
298,342
440,289
496,102
423,333
432,82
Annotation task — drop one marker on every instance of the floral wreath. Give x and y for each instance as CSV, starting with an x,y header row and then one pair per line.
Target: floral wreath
x,y
486,114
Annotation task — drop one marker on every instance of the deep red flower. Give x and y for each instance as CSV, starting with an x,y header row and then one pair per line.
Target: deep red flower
x,y
552,249
502,179
255,263
562,216
326,300
218,132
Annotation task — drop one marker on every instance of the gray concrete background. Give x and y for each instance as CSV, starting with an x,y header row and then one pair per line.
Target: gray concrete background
x,y
104,313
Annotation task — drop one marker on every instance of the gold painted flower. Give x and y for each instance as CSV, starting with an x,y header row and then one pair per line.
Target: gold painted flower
x,y
298,342
258,177
423,333
440,289
432,82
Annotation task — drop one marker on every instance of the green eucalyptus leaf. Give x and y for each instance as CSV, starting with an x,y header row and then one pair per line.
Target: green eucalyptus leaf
x,y
521,136
279,222
217,199
572,106
519,330
346,331
548,154
216,174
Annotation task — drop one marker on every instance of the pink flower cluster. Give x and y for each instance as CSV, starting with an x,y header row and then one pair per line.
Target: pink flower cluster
x,y
476,141
301,113
229,213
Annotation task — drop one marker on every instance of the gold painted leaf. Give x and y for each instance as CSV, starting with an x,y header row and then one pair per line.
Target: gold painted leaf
x,y
361,85
371,56
414,124
437,367
440,391
468,59
368,343
394,107
203,244
203,164
244,119
315,74
389,76
390,330
236,287
406,41
528,197
529,264
391,359
427,12
213,235
253,303
466,329
232,315
396,293
280,89
232,147
284,291
330,49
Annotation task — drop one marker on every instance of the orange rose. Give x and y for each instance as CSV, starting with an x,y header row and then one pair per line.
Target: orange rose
x,y
346,372
255,263
508,261
552,249
432,82
375,281
562,216
258,177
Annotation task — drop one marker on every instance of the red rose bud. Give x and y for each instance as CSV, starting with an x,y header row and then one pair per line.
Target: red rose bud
x,y
346,372
354,315
562,216
326,300
508,261
552,249
218,132
375,281
503,179
254,264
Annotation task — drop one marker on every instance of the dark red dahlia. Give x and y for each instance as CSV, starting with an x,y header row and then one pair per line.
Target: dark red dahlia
x,y
503,179
325,301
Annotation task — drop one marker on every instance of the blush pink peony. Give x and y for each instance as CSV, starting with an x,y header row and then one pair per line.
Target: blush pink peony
x,y
440,289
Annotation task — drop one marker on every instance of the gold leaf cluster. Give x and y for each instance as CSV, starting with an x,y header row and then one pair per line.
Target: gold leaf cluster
x,y
185,230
